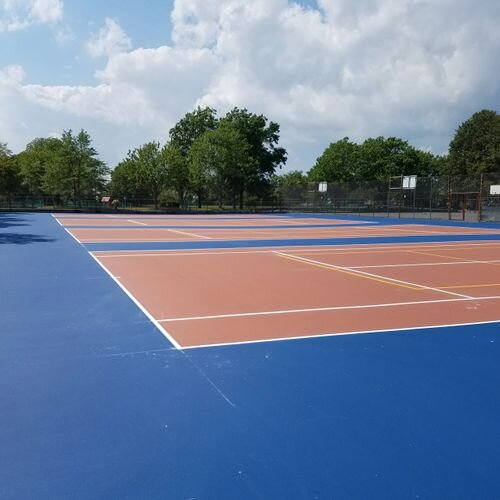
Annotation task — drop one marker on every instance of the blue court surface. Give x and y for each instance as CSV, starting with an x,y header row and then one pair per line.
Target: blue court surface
x,y
95,402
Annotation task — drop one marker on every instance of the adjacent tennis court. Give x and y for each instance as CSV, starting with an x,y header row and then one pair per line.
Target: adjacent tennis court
x,y
249,355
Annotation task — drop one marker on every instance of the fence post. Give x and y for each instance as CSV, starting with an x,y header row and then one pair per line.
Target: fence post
x,y
449,198
480,198
430,197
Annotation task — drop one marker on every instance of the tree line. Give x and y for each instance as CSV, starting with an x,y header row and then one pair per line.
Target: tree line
x,y
231,159
474,150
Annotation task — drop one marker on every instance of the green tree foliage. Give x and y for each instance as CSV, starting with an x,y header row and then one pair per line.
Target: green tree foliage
x,y
374,159
192,126
220,160
262,137
292,178
125,180
339,163
34,161
10,178
290,186
143,172
475,148
177,171
76,172
151,169
381,158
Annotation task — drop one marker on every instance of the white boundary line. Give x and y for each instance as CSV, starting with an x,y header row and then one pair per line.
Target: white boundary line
x,y
189,234
319,335
137,222
140,306
429,264
320,309
131,297
368,247
364,273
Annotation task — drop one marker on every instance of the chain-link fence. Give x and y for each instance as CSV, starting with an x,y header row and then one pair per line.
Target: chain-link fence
x,y
467,199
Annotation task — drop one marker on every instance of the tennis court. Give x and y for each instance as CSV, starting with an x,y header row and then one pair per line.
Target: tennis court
x,y
251,356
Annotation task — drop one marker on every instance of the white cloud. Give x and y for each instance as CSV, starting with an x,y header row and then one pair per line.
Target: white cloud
x,y
109,40
16,15
410,68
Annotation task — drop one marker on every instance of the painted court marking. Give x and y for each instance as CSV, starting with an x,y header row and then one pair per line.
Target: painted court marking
x,y
318,309
364,274
336,334
136,222
189,234
290,253
354,271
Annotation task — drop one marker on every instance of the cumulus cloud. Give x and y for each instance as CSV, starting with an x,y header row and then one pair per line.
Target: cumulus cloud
x,y
16,15
410,68
109,40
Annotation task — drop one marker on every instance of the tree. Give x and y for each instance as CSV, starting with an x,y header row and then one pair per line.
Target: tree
x,y
292,178
262,136
10,179
76,172
126,181
382,157
194,124
151,168
221,159
375,159
177,171
339,162
475,148
34,161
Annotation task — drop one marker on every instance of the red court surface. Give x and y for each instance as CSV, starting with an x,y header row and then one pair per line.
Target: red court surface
x,y
102,235
212,297
152,220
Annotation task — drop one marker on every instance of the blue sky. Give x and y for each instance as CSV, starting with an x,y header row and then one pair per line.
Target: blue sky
x,y
49,62
323,70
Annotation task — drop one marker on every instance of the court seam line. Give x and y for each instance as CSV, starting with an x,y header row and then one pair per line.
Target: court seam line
x,y
323,309
300,248
364,274
329,335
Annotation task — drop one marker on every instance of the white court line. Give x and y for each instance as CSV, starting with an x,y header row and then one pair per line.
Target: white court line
x,y
426,231
72,235
136,222
189,234
139,305
320,309
429,264
341,249
131,297
319,335
341,268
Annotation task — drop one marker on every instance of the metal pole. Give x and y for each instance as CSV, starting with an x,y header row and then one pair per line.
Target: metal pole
x,y
480,198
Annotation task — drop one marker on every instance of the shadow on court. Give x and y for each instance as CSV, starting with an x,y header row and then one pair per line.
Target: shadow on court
x,y
17,226
23,239
12,220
